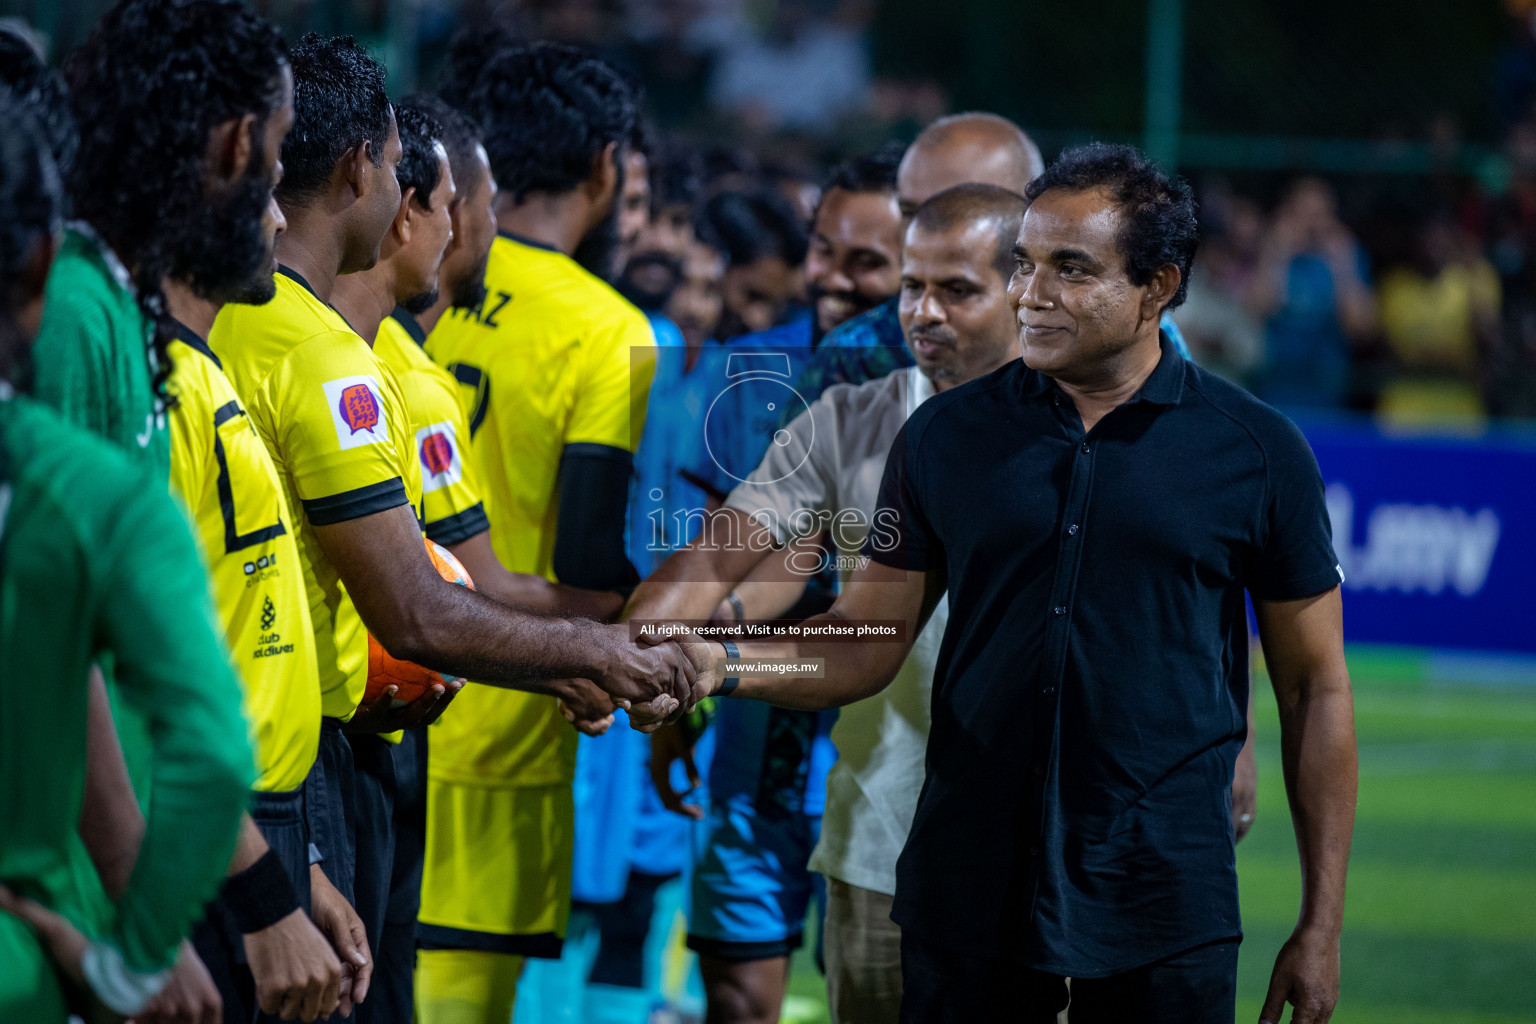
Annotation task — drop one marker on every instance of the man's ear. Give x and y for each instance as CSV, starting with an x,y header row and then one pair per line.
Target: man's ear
x,y
354,167
603,180
1159,291
405,216
231,148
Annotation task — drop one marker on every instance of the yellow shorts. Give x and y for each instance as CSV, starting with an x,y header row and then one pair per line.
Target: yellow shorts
x,y
497,876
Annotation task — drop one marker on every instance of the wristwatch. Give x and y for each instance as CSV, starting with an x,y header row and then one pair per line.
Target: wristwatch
x,y
729,683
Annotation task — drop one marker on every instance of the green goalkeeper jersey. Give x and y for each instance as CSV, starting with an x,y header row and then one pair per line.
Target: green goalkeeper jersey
x,y
92,357
95,557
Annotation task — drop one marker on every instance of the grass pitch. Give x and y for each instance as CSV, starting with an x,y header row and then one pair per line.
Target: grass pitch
x,y
1440,924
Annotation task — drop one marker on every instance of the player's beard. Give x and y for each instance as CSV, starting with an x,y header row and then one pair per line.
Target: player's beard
x,y
225,256
15,355
650,278
468,292
597,252
419,304
860,304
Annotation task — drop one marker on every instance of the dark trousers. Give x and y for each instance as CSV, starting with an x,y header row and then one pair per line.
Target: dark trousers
x,y
328,808
622,929
280,819
392,994
1198,986
373,802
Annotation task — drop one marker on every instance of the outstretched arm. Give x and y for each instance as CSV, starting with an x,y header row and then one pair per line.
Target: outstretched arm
x,y
693,580
1304,648
417,615
528,592
853,668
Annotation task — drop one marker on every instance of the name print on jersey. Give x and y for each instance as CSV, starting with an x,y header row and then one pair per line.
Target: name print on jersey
x,y
356,410
482,316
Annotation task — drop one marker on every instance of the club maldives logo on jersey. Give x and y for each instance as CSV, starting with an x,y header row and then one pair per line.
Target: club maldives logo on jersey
x,y
437,446
356,410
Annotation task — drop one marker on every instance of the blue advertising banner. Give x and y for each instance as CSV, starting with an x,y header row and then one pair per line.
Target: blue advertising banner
x,y
1436,535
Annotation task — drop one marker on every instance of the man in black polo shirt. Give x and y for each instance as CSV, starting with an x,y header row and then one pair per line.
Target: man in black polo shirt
x,y
1096,516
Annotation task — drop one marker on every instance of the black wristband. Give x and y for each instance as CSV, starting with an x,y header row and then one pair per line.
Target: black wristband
x,y
729,683
736,606
261,895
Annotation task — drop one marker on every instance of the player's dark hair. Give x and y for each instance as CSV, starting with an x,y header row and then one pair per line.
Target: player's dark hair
x,y
41,90
677,177
31,208
418,167
470,50
547,111
152,80
964,205
868,172
457,132
748,227
339,103
1159,220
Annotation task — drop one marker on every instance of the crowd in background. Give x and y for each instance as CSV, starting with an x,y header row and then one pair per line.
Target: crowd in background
x,y
1413,297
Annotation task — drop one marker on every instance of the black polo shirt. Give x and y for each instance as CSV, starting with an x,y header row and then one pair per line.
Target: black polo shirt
x,y
1091,691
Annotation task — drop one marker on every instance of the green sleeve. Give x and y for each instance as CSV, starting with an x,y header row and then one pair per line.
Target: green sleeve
x,y
158,620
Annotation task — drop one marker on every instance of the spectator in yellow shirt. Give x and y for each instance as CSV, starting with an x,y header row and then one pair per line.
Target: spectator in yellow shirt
x,y
1438,316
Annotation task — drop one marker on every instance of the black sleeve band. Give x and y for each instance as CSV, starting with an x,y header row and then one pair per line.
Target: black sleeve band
x,y
356,503
456,529
589,537
261,895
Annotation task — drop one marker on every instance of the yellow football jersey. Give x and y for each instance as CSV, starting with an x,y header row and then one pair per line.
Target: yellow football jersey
x,y
334,420
451,509
221,471
552,357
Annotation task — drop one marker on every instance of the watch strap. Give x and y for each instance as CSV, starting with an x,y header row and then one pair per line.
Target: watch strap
x,y
729,683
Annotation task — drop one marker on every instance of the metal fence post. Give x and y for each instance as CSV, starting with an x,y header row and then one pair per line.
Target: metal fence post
x,y
1165,80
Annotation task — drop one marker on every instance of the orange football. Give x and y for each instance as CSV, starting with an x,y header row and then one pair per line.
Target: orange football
x,y
412,679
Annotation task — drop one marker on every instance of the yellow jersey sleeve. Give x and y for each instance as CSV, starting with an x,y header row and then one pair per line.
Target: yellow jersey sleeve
x,y
614,383
341,437
452,508
224,477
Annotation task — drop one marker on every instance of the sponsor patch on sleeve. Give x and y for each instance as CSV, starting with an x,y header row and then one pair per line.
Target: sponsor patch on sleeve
x,y
357,410
437,446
